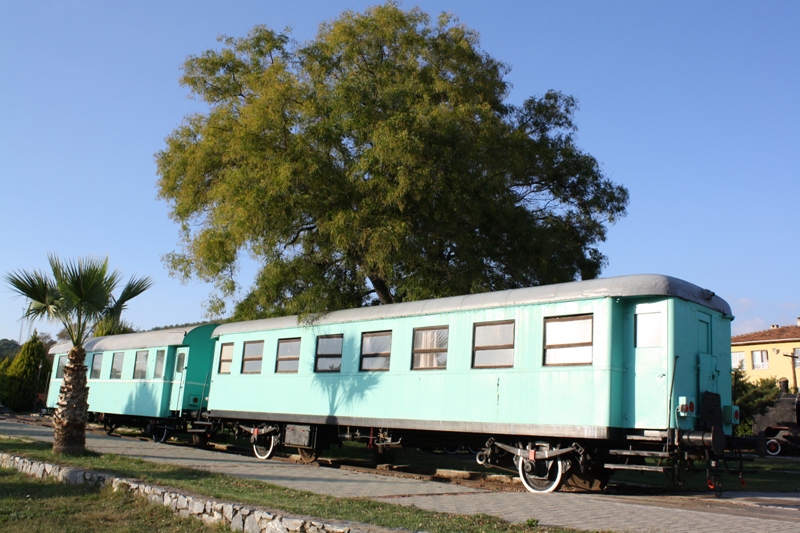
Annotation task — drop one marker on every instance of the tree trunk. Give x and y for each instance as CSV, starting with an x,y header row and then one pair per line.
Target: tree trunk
x,y
72,409
381,289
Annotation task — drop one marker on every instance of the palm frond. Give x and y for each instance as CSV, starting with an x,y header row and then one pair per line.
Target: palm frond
x,y
113,313
86,285
40,290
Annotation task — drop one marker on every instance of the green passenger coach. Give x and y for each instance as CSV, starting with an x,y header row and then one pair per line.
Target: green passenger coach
x,y
561,382
156,380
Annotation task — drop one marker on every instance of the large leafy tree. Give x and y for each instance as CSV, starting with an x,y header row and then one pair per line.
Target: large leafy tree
x,y
379,162
77,295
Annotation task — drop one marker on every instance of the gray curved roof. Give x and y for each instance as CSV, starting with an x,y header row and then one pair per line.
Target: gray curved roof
x,y
129,341
635,285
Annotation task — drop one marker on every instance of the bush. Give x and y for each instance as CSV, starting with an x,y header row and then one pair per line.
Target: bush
x,y
18,386
753,399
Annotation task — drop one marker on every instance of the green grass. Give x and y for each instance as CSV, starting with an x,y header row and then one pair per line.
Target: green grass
x,y
232,489
30,505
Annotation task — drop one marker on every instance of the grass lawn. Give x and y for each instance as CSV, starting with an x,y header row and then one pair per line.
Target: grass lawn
x,y
29,505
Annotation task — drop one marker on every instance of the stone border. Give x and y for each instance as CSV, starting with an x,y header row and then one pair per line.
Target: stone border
x,y
237,517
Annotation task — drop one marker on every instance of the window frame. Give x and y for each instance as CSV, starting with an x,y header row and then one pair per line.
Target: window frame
x,y
569,318
763,363
60,366
161,361
138,372
488,347
246,359
282,359
741,361
318,355
429,351
96,357
796,359
375,355
229,360
117,356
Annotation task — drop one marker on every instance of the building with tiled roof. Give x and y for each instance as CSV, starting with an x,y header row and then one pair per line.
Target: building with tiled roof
x,y
774,352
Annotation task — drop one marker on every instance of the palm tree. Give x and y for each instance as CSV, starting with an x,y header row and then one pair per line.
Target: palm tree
x,y
77,295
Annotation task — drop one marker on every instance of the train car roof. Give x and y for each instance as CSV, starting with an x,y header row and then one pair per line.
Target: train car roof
x,y
129,341
621,286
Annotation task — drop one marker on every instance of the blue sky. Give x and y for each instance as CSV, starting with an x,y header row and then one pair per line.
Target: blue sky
x,y
694,106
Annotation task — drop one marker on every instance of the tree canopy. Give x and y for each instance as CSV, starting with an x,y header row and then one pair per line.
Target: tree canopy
x,y
379,162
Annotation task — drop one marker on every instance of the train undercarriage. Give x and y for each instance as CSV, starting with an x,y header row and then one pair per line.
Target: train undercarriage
x,y
543,464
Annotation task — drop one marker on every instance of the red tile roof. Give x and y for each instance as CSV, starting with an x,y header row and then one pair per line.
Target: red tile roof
x,y
779,334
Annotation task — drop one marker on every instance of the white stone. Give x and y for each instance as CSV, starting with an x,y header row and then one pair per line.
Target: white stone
x,y
251,525
276,527
237,522
293,524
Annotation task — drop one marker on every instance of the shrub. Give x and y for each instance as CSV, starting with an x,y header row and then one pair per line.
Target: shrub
x,y
18,385
753,399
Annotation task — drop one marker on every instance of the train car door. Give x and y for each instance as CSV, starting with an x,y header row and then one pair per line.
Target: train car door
x,y
707,372
646,370
178,379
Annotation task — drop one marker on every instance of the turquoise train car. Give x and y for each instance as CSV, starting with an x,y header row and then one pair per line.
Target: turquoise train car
x,y
570,381
156,380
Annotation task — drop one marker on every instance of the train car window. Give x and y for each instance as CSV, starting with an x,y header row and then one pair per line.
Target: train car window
x,y
180,363
159,371
97,364
329,353
737,360
430,348
493,345
140,366
251,357
288,359
648,330
62,362
568,340
704,334
760,359
116,365
225,358
376,350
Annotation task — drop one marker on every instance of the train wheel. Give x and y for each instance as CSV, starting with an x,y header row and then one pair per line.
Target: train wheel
x,y
307,455
264,448
451,449
773,447
160,434
200,439
542,475
109,426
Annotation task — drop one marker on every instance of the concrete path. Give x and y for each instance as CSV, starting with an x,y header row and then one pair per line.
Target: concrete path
x,y
736,512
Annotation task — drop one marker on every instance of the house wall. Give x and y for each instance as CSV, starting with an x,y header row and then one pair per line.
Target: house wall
x,y
779,366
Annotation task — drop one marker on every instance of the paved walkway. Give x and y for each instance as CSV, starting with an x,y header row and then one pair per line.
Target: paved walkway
x,y
736,512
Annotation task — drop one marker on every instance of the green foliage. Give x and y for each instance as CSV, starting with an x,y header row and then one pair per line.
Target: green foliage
x,y
78,295
753,399
377,163
18,385
107,326
4,364
8,348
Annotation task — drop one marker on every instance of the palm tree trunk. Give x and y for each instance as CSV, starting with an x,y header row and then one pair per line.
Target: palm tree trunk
x,y
72,409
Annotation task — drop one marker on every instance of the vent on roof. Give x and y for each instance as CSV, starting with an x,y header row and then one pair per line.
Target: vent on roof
x,y
774,326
